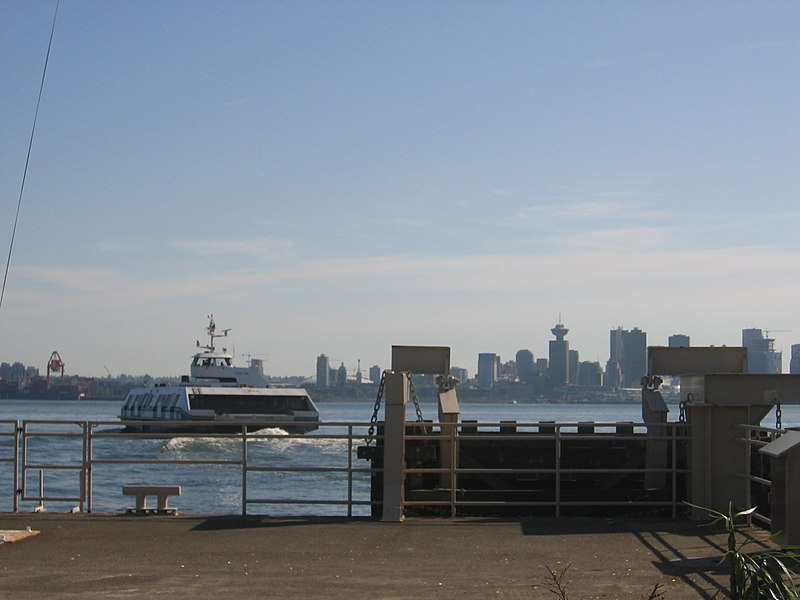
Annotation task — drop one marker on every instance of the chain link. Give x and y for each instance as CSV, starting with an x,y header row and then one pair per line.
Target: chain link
x,y
778,420
371,432
414,397
376,409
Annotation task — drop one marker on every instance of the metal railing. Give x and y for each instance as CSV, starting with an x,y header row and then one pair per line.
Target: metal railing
x,y
51,450
9,455
755,437
87,462
672,434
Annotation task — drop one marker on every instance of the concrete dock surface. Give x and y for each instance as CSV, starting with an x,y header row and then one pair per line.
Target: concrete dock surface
x,y
127,556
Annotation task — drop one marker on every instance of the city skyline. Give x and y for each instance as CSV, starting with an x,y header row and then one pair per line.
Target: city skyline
x,y
343,177
759,342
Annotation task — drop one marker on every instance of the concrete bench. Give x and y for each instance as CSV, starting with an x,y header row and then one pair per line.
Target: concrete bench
x,y
161,492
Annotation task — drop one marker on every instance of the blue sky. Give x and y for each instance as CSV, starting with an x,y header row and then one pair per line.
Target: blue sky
x,y
340,176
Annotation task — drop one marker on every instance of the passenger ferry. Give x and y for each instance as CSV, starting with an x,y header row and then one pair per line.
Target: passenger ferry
x,y
217,396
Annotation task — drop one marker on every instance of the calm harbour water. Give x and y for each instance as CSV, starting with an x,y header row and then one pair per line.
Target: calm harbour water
x,y
217,488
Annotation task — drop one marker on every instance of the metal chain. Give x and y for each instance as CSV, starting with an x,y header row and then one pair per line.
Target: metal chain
x,y
414,397
778,421
371,432
376,409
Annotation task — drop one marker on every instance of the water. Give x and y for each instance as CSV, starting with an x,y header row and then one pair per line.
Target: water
x,y
217,488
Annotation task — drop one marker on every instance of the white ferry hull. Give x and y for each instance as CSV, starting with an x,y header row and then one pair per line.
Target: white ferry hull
x,y
187,408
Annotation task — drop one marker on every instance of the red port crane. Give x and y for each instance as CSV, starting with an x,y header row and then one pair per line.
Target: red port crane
x,y
55,365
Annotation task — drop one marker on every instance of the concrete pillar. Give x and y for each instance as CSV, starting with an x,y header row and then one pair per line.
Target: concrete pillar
x,y
396,391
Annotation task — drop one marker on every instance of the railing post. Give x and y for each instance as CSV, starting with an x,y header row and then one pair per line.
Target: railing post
x,y
244,470
24,460
558,469
15,500
87,476
394,446
454,450
349,470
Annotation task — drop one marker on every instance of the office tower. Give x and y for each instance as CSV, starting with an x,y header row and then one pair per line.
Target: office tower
x,y
794,363
590,373
628,350
526,369
507,370
572,371
613,378
375,373
559,357
679,340
761,354
459,373
541,366
323,371
341,375
635,365
487,369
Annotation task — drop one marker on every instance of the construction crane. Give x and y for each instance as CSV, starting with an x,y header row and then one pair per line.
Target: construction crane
x,y
767,331
55,365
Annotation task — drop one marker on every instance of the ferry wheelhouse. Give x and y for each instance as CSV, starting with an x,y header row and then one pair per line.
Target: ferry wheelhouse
x,y
218,396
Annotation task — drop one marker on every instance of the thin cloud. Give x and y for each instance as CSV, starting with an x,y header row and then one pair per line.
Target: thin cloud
x,y
256,246
590,210
121,245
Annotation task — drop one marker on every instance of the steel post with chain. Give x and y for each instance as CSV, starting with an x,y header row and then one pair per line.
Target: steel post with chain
x,y
377,407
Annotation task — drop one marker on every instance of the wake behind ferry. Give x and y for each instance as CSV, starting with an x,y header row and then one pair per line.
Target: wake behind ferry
x,y
221,395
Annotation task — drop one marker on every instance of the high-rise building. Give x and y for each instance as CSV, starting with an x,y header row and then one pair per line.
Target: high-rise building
x,y
613,378
375,373
628,349
558,371
572,371
679,340
323,371
459,373
487,369
541,366
635,365
341,375
590,373
761,354
794,362
526,368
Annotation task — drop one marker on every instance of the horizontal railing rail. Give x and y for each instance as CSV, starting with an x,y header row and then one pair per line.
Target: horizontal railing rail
x,y
87,447
9,455
672,434
755,437
88,462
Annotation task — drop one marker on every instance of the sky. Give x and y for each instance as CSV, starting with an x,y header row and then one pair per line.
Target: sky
x,y
341,176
